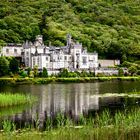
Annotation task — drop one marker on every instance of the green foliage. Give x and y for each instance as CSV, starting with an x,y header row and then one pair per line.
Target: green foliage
x,y
35,71
66,73
7,99
112,28
23,74
14,65
28,71
120,72
63,73
4,66
132,70
138,72
8,126
44,72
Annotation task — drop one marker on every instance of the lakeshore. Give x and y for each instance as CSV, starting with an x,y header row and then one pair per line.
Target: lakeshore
x,y
124,126
85,110
27,80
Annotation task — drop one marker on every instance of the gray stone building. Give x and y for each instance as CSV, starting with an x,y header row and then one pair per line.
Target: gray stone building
x,y
72,56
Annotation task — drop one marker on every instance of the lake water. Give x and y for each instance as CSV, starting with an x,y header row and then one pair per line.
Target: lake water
x,y
72,99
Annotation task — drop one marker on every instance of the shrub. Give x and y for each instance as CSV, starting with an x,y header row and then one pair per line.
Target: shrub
x,y
132,70
44,72
4,66
120,72
23,74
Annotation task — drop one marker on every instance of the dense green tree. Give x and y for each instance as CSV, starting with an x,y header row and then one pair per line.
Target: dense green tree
x,y
14,65
64,73
35,71
132,70
44,72
120,72
28,71
4,66
109,27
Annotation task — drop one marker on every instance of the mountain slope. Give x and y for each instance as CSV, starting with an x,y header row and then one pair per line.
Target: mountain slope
x,y
110,28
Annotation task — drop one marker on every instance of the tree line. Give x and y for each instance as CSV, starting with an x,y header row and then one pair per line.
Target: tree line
x,y
112,28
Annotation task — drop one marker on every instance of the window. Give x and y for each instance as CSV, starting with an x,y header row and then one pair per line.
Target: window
x,y
7,50
46,58
27,61
84,60
33,61
60,57
15,50
78,57
27,53
65,58
38,61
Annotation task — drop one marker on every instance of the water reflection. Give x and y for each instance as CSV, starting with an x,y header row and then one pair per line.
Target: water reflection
x,y
71,99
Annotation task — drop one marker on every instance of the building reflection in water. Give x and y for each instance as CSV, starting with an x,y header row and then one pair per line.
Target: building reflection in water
x,y
70,99
73,100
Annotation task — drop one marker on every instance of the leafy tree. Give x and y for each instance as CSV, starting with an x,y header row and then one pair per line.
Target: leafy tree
x,y
132,70
28,71
35,70
120,72
64,73
138,72
109,27
4,66
14,65
45,72
23,74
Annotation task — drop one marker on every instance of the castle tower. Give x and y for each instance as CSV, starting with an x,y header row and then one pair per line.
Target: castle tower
x,y
68,39
39,41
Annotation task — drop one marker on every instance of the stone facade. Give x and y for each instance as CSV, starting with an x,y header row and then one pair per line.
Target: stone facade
x,y
108,63
12,50
72,56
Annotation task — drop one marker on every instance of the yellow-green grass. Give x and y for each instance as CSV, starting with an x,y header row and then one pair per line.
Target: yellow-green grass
x,y
9,99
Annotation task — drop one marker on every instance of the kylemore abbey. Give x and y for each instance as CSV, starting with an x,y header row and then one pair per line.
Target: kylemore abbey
x,y
72,56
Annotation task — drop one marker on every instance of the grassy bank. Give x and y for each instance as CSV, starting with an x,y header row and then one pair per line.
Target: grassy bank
x,y
6,81
86,133
8,99
122,125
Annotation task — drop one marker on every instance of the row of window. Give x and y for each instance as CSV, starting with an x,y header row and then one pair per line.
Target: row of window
x,y
59,58
7,51
34,61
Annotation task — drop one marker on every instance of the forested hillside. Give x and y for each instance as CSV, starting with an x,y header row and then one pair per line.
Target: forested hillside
x,y
111,27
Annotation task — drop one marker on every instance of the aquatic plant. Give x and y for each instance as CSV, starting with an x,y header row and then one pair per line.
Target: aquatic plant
x,y
8,99
121,125
7,111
